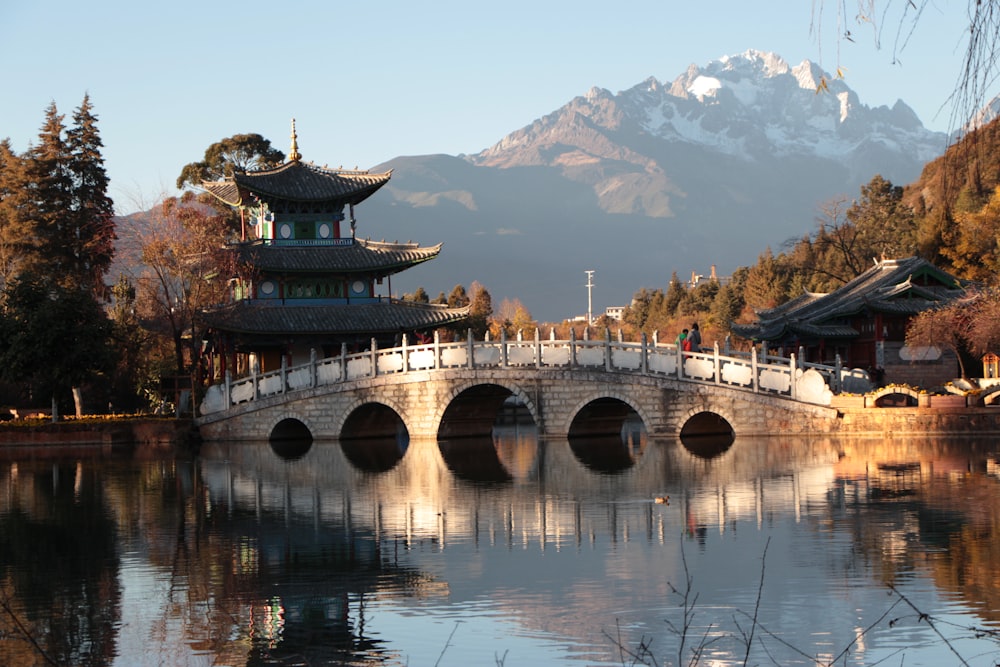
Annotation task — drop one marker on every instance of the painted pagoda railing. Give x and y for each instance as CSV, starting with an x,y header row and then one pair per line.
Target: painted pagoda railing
x,y
753,372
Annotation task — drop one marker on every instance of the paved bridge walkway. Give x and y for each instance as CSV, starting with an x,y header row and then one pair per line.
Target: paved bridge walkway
x,y
443,390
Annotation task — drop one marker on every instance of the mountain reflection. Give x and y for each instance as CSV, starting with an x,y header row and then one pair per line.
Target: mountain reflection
x,y
243,557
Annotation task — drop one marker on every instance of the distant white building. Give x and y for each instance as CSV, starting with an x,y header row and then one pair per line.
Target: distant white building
x,y
615,312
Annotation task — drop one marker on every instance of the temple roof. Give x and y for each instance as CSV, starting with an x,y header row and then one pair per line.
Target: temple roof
x,y
298,182
892,286
361,256
362,318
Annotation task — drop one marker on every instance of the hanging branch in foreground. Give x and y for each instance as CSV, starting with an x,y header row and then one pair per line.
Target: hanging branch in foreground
x,y
26,632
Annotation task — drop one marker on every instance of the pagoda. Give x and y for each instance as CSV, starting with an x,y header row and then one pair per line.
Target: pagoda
x,y
305,287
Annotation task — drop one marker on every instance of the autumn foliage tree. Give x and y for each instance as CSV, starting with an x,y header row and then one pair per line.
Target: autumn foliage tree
x,y
183,269
967,327
974,247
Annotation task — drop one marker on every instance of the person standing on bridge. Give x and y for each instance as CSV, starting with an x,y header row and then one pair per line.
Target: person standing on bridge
x,y
681,338
694,337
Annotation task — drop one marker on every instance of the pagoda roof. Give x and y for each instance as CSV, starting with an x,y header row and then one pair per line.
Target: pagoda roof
x,y
360,256
262,318
892,286
298,181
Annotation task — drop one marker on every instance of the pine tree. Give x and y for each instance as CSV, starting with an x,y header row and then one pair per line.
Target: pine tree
x,y
480,310
92,211
458,298
46,200
675,294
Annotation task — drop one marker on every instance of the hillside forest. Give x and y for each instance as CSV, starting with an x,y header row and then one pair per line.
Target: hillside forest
x,y
100,313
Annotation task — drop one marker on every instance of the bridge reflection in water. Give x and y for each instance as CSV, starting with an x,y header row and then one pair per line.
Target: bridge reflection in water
x,y
332,554
373,551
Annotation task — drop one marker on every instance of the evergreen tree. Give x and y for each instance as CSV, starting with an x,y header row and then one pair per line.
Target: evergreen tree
x,y
46,200
53,337
886,227
726,308
92,211
240,152
480,310
699,299
675,293
15,232
418,296
637,312
458,298
765,283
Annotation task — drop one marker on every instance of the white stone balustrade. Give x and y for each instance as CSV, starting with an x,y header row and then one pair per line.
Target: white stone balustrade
x,y
773,375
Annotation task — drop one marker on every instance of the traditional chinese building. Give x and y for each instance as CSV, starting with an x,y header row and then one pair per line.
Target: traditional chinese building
x,y
864,323
305,282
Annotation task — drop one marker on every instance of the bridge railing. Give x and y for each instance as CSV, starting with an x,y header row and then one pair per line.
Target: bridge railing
x,y
772,375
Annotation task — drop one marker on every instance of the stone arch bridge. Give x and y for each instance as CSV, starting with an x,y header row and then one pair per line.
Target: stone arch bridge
x,y
569,387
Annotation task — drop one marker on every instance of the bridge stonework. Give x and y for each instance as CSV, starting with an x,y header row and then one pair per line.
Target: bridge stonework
x,y
553,397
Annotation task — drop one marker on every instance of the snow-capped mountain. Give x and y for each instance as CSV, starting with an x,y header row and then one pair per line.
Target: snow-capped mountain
x,y
710,169
987,114
752,106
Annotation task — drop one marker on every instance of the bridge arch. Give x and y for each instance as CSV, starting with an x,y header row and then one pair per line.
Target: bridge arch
x,y
990,395
706,432
290,438
373,435
350,413
880,397
288,416
573,425
601,433
471,407
722,412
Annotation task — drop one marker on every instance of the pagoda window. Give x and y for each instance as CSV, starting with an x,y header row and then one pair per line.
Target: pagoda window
x,y
315,289
268,289
305,230
360,288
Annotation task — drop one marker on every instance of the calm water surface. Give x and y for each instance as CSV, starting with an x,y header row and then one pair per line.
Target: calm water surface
x,y
510,552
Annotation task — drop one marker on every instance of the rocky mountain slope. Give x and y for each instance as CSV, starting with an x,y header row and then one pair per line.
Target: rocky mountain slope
x,y
710,169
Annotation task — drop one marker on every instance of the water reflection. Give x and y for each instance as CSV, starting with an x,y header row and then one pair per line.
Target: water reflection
x,y
290,439
375,454
614,451
505,546
57,544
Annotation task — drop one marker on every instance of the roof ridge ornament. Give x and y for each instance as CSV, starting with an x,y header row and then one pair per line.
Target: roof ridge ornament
x,y
293,154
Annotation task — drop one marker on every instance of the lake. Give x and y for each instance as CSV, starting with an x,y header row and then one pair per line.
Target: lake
x,y
507,551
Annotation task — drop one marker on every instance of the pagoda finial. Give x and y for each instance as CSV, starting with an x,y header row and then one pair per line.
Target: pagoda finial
x,y
293,154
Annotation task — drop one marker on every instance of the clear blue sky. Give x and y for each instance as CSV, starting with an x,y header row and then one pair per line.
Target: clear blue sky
x,y
369,81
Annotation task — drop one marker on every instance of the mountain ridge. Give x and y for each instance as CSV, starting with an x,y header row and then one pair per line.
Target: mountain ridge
x,y
707,170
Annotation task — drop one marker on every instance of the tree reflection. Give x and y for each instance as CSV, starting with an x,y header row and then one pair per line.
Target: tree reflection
x,y
60,570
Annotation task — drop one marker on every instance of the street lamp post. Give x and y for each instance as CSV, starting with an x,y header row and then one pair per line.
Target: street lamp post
x,y
590,302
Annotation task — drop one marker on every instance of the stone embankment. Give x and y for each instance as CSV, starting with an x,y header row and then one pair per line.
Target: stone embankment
x,y
911,421
149,434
